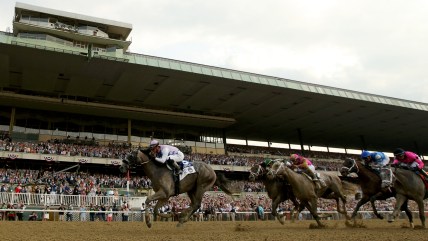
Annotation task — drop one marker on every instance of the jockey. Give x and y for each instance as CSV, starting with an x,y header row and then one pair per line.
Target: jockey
x,y
378,159
409,159
306,166
167,153
267,163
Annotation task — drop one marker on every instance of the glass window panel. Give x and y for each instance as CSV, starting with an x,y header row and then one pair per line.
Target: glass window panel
x,y
236,76
255,79
164,64
217,72
186,67
226,74
206,71
196,69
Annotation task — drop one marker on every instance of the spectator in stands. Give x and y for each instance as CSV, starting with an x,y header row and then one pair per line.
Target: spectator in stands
x,y
82,210
410,160
166,153
46,214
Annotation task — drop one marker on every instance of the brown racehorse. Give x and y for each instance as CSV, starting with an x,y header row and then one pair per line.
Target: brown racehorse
x,y
194,184
277,190
304,189
370,184
408,186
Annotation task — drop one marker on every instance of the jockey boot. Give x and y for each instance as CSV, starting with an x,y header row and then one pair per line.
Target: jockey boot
x,y
422,171
176,166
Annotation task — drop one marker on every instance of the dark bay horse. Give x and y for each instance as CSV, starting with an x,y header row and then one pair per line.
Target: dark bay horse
x,y
277,190
370,184
194,184
408,186
304,189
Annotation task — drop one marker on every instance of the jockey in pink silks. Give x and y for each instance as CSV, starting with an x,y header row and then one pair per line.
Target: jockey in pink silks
x,y
307,167
409,159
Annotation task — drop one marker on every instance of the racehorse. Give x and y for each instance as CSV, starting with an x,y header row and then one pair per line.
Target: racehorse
x,y
277,190
304,189
370,184
408,186
194,184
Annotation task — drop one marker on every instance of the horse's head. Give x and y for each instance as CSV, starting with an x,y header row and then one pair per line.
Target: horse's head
x,y
255,172
273,171
131,161
349,166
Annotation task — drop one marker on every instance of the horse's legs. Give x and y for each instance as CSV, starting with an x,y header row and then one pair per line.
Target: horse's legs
x,y
195,203
362,201
156,208
157,196
400,199
372,201
343,211
275,203
405,208
420,203
312,207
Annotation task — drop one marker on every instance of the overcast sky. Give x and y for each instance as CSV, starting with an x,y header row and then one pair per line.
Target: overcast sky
x,y
378,47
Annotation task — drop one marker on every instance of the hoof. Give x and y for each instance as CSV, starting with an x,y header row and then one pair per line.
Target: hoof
x,y
179,225
391,220
281,220
149,225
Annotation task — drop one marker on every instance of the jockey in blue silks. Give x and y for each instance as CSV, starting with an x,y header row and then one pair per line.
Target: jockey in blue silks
x,y
377,159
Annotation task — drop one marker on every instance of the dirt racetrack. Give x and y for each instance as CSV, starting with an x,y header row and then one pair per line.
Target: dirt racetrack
x,y
219,231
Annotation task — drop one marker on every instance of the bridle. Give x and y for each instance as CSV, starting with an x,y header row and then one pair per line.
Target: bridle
x,y
348,169
257,173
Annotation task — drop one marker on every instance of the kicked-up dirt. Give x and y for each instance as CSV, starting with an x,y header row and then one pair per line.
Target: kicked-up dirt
x,y
218,231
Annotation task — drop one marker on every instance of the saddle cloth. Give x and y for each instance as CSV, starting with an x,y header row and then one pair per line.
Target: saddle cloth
x,y
188,168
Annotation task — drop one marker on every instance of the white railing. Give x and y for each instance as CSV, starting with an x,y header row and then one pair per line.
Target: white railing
x,y
74,200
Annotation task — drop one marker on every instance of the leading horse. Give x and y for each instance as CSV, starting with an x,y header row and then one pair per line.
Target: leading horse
x,y
277,190
408,186
370,183
305,191
194,184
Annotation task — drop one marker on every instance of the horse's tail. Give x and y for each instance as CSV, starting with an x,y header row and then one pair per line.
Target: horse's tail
x,y
349,188
224,183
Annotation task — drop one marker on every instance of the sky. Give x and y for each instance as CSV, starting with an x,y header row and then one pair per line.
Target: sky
x,y
377,47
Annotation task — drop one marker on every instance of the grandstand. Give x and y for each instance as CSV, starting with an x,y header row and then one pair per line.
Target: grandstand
x,y
71,93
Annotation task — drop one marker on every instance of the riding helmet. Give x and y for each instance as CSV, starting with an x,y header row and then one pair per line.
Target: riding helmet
x,y
153,143
365,154
398,152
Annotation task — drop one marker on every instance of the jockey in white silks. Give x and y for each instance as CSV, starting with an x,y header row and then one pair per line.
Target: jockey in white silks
x,y
166,153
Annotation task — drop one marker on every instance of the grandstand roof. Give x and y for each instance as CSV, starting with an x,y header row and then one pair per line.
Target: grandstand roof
x,y
247,105
38,74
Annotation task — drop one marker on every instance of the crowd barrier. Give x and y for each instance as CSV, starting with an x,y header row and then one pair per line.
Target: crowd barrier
x,y
33,199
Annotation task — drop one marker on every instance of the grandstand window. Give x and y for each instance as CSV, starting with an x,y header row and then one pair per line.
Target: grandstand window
x,y
254,79
281,83
304,87
312,88
163,64
175,65
226,74
245,77
236,76
153,62
186,67
217,73
206,71
272,81
320,90
263,80
196,69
